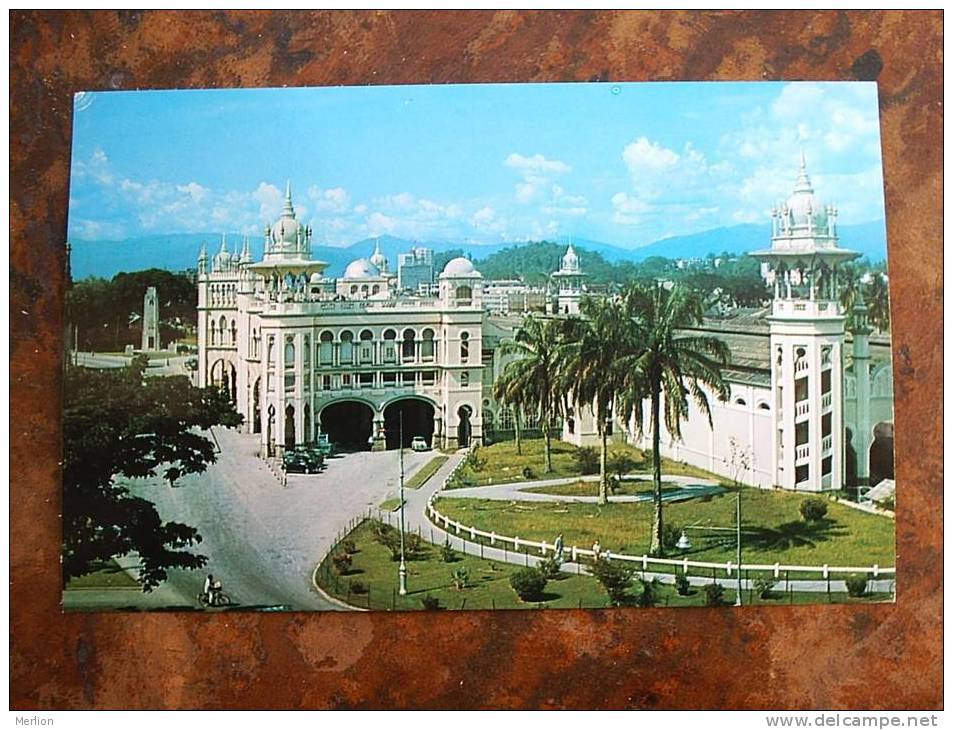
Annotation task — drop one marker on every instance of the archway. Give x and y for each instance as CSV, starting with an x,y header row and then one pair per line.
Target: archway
x,y
222,375
290,427
418,418
463,427
256,407
349,424
881,453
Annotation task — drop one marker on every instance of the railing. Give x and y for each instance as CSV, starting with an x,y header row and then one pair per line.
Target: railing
x,y
801,365
826,401
802,452
645,561
807,307
826,443
801,408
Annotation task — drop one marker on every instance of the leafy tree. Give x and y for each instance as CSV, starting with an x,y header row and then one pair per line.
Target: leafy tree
x,y
594,363
613,577
620,464
673,364
531,378
118,423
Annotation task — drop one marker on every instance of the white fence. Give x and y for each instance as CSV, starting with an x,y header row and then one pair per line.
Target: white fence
x,y
575,552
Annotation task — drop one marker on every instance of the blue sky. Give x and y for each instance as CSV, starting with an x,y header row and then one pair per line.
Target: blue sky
x,y
622,163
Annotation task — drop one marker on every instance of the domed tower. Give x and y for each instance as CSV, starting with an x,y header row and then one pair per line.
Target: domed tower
x,y
568,283
461,285
378,259
807,338
287,238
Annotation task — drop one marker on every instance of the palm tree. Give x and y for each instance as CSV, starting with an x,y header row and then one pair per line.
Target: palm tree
x,y
506,391
531,379
593,366
674,363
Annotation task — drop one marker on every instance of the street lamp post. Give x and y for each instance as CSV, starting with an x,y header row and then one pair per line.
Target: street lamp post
x,y
402,570
685,544
738,533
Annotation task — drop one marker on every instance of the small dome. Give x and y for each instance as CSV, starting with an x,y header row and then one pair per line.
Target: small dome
x,y
361,269
803,206
315,278
378,258
570,260
285,230
460,267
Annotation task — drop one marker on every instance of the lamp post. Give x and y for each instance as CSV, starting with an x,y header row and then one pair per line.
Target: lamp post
x,y
685,544
738,528
402,570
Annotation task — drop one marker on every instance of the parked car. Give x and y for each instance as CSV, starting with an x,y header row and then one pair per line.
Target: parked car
x,y
419,443
192,363
302,461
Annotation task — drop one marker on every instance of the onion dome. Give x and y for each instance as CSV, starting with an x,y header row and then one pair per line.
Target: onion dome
x,y
803,209
570,260
378,258
287,230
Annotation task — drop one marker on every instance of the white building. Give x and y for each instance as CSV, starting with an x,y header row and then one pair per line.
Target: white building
x,y
568,284
302,354
811,406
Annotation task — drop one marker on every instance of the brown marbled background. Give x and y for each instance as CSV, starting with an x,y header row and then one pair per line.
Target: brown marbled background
x,y
878,656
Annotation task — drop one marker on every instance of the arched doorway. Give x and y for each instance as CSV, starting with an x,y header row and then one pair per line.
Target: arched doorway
x,y
418,421
222,376
349,424
290,439
270,432
463,426
881,453
256,407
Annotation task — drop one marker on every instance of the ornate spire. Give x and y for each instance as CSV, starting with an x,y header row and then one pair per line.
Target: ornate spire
x,y
246,250
803,183
289,209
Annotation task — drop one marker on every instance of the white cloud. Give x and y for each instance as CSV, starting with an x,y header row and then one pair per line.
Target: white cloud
x,y
194,191
536,164
333,200
643,156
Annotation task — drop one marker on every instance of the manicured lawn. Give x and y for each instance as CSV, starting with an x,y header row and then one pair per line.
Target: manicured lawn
x,y
503,465
110,575
591,488
773,530
429,575
425,472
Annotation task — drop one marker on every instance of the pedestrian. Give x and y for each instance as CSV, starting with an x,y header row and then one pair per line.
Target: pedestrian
x,y
558,547
596,550
208,589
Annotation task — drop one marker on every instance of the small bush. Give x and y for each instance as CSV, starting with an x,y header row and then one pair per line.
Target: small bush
x,y
549,567
342,563
813,509
647,458
529,584
670,535
649,595
613,577
358,588
413,546
460,578
764,586
349,546
447,553
620,463
476,460
682,584
856,585
587,458
431,603
528,472
714,594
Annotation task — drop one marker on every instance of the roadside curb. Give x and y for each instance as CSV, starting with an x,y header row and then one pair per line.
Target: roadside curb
x,y
328,597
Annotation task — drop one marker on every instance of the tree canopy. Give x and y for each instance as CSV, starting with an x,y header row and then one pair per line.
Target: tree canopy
x,y
119,423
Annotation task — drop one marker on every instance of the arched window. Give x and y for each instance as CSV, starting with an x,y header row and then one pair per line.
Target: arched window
x,y
326,348
289,353
347,348
390,352
376,289
255,343
407,352
739,401
464,379
464,347
306,352
211,331
271,350
506,419
464,294
763,406
353,288
234,331
367,346
426,347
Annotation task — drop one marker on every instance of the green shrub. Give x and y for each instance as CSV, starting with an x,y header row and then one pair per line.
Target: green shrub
x,y
529,584
413,546
670,535
349,546
856,585
476,460
460,578
431,603
528,472
447,553
358,588
587,458
764,586
813,509
613,577
549,567
682,584
647,457
342,563
649,595
620,463
714,594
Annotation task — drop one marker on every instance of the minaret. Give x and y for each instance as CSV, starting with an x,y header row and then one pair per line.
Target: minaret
x,y
203,260
807,339
860,328
568,283
378,258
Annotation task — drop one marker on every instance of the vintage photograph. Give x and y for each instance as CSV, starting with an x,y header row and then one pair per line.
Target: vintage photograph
x,y
465,347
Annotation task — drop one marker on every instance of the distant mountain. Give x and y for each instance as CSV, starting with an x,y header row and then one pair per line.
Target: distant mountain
x,y
179,251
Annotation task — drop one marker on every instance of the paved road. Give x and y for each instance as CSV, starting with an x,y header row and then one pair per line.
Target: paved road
x,y
263,540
